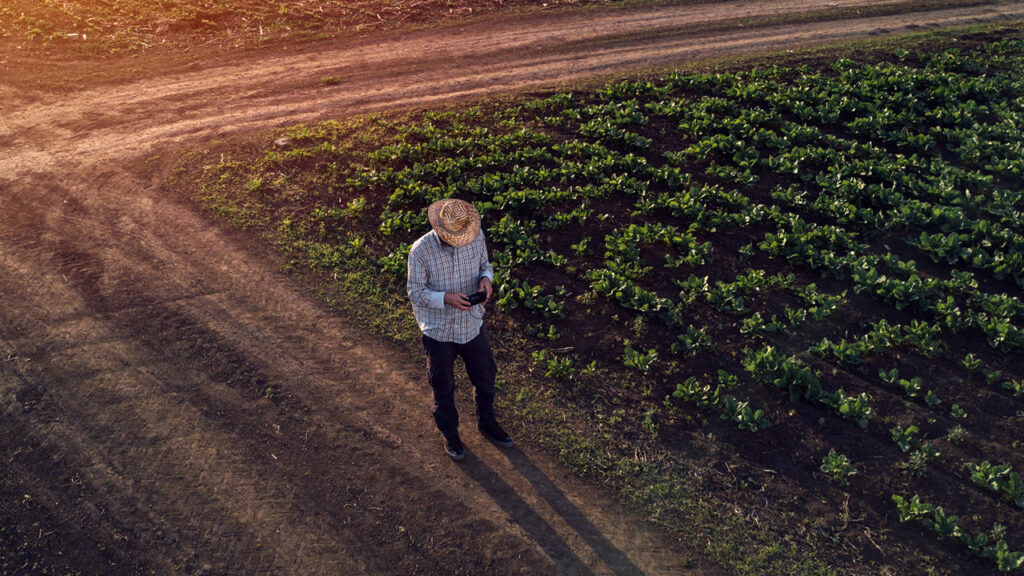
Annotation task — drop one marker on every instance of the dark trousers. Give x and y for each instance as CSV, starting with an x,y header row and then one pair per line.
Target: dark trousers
x,y
480,367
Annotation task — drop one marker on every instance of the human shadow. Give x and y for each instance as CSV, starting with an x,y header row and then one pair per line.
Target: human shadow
x,y
614,559
519,510
550,541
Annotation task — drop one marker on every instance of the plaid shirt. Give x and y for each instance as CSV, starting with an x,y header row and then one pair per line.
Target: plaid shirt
x,y
436,268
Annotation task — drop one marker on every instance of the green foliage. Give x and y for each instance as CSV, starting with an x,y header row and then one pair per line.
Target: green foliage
x,y
956,434
972,363
998,478
642,361
717,397
955,411
703,207
512,293
948,526
626,292
691,341
785,372
905,437
1015,386
561,368
855,408
396,262
918,459
838,467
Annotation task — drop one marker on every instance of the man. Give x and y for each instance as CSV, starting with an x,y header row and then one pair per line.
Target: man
x,y
446,265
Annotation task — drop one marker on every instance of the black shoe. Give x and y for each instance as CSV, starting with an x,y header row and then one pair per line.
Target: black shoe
x,y
453,446
495,434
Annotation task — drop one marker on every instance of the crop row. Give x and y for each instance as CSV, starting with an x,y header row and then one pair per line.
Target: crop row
x,y
784,227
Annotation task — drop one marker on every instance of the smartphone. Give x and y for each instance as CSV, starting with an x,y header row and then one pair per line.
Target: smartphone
x,y
477,298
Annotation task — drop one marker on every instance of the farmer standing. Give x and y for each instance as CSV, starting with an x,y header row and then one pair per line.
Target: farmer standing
x,y
446,265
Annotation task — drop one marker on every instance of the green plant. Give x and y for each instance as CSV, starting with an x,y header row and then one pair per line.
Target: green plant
x,y
972,363
396,262
355,207
855,408
838,467
743,415
551,333
956,434
917,462
991,376
271,393
787,373
582,247
945,526
905,438
691,341
998,478
717,397
561,368
650,424
1015,386
590,369
1006,560
642,361
913,387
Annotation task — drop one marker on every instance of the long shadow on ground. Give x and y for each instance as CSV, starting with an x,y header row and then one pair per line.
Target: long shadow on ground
x,y
539,530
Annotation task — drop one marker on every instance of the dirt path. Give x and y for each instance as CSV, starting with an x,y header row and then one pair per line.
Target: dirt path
x,y
138,342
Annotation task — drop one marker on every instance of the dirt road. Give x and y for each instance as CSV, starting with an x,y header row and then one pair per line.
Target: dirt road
x,y
172,404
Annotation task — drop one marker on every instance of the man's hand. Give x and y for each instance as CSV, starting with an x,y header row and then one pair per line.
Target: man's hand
x,y
485,286
457,300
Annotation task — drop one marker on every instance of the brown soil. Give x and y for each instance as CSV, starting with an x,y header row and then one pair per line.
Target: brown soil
x,y
173,404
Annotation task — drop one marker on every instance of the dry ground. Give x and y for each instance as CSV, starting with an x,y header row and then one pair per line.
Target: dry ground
x,y
173,404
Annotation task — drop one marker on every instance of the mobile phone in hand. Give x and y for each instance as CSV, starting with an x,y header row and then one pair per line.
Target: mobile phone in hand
x,y
477,298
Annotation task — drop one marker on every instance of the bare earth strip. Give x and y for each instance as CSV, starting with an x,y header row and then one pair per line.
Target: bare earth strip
x,y
137,341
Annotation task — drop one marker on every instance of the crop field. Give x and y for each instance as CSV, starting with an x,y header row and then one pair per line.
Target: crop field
x,y
87,28
135,25
780,309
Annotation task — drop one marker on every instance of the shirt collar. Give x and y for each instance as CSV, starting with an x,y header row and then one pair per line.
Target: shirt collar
x,y
440,244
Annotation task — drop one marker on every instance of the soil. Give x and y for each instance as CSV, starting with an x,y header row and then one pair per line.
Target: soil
x,y
173,404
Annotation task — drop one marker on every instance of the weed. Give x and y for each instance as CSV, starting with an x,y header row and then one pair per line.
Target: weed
x,y
956,434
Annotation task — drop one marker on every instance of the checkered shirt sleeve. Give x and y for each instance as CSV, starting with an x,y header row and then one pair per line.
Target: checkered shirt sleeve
x,y
436,268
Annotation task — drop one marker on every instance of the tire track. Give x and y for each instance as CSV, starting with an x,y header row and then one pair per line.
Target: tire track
x,y
159,415
425,68
216,419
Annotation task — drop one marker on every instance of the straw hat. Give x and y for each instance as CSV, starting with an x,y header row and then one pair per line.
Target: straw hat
x,y
456,221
